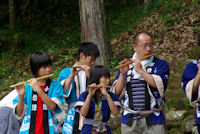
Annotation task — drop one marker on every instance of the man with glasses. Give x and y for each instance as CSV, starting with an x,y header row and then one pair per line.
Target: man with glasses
x,y
142,84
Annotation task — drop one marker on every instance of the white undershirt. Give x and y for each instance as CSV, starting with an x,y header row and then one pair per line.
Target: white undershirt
x,y
82,81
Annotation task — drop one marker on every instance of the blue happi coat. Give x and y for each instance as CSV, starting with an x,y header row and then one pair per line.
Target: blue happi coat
x,y
87,129
159,68
70,98
55,93
188,75
71,92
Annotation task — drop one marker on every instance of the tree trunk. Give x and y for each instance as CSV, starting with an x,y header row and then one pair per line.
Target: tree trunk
x,y
146,4
93,23
11,14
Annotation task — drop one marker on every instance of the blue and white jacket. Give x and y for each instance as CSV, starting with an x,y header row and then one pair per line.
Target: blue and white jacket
x,y
55,93
87,129
159,70
71,96
187,84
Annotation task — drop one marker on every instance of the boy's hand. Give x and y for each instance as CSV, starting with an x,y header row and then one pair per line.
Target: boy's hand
x,y
84,67
20,90
92,91
34,84
75,71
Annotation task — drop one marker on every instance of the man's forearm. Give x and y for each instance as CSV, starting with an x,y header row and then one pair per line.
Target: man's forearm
x,y
148,78
120,84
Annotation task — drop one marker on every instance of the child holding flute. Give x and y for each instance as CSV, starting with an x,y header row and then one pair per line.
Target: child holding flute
x,y
74,83
97,103
38,100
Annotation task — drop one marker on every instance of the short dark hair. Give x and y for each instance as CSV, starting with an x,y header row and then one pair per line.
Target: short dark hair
x,y
88,49
96,73
38,60
136,37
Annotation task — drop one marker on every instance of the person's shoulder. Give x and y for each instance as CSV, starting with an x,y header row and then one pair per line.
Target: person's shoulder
x,y
192,64
85,92
160,62
112,95
84,95
64,73
55,83
65,70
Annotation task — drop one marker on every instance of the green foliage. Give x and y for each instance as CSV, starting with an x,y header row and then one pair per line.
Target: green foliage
x,y
113,62
41,14
2,72
67,56
174,81
123,17
187,103
196,26
195,1
194,52
170,6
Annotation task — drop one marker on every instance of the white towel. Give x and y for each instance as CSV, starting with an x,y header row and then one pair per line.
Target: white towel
x,y
136,75
82,81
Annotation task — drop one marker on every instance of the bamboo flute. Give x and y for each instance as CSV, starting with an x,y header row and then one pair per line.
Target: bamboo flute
x,y
98,86
39,78
129,62
76,67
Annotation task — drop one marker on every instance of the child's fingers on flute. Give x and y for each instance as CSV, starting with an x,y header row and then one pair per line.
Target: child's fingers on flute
x,y
20,85
92,85
98,86
76,66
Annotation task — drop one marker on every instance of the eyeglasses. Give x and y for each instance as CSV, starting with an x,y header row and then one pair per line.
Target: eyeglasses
x,y
145,45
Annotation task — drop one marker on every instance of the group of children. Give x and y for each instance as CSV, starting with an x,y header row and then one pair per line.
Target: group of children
x,y
84,90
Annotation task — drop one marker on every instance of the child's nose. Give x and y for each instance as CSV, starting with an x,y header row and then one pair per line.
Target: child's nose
x,y
48,69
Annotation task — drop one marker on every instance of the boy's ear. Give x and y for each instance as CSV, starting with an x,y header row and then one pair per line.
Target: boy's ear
x,y
82,55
